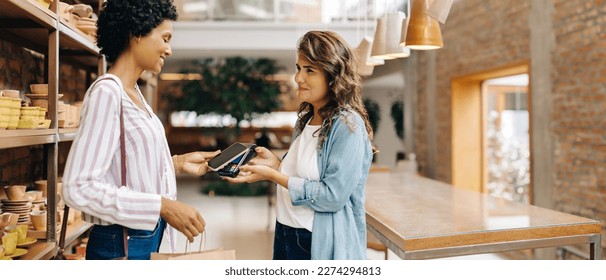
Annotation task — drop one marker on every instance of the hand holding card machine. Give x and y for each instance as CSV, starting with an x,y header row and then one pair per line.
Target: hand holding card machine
x,y
228,162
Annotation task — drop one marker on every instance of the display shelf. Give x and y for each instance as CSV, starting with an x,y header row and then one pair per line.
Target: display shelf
x,y
67,134
28,24
28,9
40,251
75,230
27,137
45,250
73,38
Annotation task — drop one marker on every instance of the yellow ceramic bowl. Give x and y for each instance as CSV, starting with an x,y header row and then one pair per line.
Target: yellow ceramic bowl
x,y
29,111
9,241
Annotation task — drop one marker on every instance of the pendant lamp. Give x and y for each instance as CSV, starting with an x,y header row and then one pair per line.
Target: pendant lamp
x,y
423,31
379,44
394,24
362,53
439,9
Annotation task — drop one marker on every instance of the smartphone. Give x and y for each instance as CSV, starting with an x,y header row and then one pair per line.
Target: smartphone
x,y
228,162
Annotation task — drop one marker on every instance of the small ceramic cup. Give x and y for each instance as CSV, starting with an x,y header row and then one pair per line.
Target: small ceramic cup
x,y
9,241
34,195
20,230
38,219
15,192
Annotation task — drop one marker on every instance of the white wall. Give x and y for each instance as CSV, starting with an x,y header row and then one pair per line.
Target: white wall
x,y
385,139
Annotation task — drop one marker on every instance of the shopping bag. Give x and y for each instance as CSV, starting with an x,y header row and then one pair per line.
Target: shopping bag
x,y
214,254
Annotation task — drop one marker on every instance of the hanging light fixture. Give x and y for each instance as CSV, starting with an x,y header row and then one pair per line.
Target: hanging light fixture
x,y
439,9
366,63
371,61
379,44
423,31
395,21
362,52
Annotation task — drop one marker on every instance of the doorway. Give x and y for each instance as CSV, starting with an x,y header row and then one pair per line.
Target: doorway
x,y
472,108
506,137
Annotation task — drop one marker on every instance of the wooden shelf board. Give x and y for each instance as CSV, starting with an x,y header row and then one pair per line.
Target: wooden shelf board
x,y
25,137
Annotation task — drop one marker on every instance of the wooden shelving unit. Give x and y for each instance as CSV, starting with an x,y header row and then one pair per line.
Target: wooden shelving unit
x,y
32,26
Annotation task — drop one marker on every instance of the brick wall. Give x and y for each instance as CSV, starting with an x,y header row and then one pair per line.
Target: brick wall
x,y
579,108
478,35
19,68
481,35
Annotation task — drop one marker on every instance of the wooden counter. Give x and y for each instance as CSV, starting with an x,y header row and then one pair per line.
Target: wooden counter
x,y
420,218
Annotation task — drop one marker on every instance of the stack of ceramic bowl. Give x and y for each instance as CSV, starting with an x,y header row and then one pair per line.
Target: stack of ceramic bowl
x,y
17,203
29,118
88,26
10,105
82,10
39,98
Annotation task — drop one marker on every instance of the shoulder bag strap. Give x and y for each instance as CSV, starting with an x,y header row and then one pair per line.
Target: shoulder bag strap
x,y
123,172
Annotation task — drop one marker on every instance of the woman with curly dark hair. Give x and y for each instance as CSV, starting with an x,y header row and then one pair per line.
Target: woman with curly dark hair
x,y
320,197
129,214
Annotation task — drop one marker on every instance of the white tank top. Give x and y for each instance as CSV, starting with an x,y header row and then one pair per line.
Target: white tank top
x,y
301,161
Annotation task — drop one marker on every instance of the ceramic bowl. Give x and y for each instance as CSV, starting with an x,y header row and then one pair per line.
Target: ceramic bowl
x,y
15,192
9,93
82,10
34,195
39,89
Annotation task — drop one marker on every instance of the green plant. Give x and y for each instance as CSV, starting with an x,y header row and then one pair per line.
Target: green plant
x,y
397,115
236,86
374,113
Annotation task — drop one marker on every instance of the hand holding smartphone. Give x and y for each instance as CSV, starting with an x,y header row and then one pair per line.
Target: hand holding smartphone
x,y
228,162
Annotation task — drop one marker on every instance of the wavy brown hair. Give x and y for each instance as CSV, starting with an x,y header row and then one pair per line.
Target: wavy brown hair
x,y
330,52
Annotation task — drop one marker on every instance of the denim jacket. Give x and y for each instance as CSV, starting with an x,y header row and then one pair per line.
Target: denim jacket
x,y
339,227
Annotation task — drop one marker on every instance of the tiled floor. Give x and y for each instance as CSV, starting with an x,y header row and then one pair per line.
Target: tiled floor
x,y
244,223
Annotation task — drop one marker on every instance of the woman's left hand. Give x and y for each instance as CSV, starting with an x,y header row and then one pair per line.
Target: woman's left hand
x,y
252,173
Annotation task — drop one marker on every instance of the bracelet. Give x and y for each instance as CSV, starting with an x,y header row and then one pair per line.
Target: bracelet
x,y
177,163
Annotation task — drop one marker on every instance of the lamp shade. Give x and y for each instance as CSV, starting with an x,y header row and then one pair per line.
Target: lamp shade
x,y
362,54
394,24
439,9
379,45
423,31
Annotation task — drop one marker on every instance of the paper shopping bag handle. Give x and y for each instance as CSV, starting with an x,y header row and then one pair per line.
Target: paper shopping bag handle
x,y
202,242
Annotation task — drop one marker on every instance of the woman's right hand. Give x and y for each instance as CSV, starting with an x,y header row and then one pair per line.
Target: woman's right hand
x,y
182,217
265,157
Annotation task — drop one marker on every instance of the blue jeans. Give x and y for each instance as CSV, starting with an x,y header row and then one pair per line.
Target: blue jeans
x,y
107,243
292,243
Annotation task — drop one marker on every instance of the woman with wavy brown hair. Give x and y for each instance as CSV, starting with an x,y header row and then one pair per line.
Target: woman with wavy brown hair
x,y
320,196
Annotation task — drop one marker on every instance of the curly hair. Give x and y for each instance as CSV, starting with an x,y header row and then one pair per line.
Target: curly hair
x,y
328,51
121,20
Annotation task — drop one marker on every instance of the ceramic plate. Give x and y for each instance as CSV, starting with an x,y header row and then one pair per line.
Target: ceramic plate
x,y
28,241
18,253
31,95
14,202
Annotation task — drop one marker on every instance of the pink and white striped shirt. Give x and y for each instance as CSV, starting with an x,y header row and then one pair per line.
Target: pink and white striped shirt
x,y
91,181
